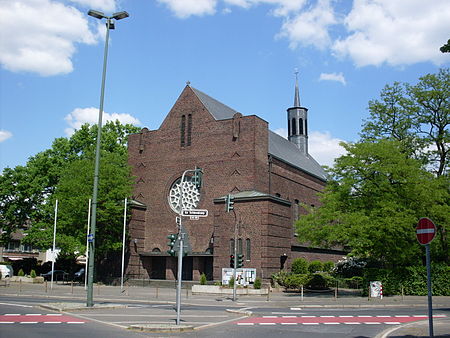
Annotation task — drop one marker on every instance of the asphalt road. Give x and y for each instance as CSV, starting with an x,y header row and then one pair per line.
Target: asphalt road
x,y
22,317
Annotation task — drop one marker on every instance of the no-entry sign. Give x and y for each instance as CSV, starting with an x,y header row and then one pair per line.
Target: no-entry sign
x,y
425,231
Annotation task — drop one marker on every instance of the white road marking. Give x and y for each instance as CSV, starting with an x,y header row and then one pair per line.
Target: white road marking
x,y
245,323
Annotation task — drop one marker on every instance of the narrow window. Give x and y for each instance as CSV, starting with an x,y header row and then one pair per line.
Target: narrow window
x,y
248,249
300,127
306,127
239,248
231,246
289,127
183,127
294,129
189,130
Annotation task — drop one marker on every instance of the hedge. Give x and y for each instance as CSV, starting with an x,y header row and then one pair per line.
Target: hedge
x,y
412,279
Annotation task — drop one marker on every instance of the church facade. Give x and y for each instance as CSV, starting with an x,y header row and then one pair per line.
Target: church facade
x,y
267,175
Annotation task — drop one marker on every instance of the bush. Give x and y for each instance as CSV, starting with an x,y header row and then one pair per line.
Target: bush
x,y
257,283
21,273
315,266
328,266
278,279
320,281
356,282
231,282
295,281
202,279
33,274
299,266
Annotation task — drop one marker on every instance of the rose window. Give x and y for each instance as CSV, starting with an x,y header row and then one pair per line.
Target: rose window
x,y
189,192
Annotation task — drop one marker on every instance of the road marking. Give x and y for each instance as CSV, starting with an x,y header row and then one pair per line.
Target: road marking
x,y
288,316
352,323
28,322
327,316
296,308
7,322
372,323
19,305
52,322
245,324
346,316
331,323
289,323
267,324
402,316
310,323
269,316
11,314
392,323
33,314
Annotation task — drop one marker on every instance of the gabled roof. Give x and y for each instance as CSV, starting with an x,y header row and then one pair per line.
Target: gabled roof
x,y
279,147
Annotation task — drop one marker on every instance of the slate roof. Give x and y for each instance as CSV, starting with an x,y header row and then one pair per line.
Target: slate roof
x,y
279,147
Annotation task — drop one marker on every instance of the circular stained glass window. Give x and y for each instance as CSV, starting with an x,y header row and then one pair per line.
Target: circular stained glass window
x,y
187,196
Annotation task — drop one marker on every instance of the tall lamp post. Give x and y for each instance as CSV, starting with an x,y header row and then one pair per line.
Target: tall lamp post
x,y
109,25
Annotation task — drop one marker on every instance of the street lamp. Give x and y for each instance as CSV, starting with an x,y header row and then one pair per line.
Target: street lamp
x,y
91,236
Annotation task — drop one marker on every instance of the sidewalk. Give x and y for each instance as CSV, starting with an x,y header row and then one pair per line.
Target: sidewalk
x,y
112,296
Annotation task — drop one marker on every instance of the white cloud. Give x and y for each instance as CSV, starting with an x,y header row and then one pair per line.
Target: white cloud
x,y
99,5
4,135
339,77
400,32
80,116
321,145
39,36
310,27
186,8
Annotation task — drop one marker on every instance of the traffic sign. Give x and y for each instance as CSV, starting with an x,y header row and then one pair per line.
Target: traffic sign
x,y
425,231
195,212
90,238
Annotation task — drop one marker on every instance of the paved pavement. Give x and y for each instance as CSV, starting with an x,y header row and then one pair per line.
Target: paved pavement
x,y
114,297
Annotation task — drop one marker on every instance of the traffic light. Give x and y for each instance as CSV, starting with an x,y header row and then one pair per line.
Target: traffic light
x,y
240,261
172,239
232,261
229,201
197,179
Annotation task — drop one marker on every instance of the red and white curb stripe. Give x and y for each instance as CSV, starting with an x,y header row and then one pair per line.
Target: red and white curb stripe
x,y
333,320
35,318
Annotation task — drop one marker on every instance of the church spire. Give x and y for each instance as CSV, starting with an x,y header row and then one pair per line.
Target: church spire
x,y
297,118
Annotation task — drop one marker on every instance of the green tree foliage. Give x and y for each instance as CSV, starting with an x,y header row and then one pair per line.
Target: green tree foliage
x,y
416,115
28,193
374,198
299,266
446,47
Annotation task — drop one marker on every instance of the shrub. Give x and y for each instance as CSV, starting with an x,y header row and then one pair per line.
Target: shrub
x,y
21,273
257,283
231,282
295,281
278,279
328,266
299,266
315,266
33,274
320,281
356,282
349,267
202,279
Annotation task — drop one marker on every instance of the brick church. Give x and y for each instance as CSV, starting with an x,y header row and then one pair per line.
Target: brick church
x,y
268,176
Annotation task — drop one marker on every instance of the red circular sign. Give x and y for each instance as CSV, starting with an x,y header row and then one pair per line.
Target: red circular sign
x,y
425,231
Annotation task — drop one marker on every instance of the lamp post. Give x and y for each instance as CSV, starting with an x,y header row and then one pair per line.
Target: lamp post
x,y
109,25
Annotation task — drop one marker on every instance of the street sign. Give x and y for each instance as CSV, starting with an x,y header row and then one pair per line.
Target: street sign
x,y
425,231
90,238
195,212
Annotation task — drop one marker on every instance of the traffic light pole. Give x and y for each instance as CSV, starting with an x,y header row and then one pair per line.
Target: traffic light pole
x,y
235,255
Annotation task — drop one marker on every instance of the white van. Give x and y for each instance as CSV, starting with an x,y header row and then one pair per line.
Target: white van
x,y
7,270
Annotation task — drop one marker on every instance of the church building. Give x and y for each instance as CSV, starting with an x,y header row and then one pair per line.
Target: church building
x,y
267,176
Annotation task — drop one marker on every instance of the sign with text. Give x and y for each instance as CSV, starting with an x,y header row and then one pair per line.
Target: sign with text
x,y
195,212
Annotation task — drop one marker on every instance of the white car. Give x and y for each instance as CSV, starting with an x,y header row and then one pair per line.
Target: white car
x,y
7,270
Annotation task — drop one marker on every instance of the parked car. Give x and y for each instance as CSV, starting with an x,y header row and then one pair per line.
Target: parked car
x,y
79,275
58,275
6,270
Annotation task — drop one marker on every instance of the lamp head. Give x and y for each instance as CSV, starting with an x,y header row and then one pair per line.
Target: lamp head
x,y
96,14
120,15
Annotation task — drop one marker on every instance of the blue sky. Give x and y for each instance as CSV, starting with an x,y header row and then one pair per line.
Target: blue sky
x,y
241,52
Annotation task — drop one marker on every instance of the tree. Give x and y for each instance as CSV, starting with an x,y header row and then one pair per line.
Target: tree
x,y
372,202
28,192
446,47
418,116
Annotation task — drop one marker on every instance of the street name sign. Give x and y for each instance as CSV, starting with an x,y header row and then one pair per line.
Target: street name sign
x,y
195,212
425,231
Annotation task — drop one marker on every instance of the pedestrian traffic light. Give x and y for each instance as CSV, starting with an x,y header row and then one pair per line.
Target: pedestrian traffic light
x,y
197,178
231,261
229,201
240,261
172,239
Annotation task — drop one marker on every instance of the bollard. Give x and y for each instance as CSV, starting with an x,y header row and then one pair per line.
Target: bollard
x,y
71,287
301,293
187,292
98,289
336,291
403,294
268,293
20,285
46,289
